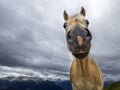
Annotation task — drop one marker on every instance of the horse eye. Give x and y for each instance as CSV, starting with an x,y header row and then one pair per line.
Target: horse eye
x,y
87,22
65,25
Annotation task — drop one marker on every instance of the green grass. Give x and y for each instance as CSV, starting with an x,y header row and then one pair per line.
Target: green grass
x,y
113,86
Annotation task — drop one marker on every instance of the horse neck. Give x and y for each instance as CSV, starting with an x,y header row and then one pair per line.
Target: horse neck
x,y
82,64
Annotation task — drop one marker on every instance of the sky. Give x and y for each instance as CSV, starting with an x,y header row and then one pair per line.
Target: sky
x,y
33,42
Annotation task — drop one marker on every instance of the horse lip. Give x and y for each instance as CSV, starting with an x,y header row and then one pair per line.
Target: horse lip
x,y
76,51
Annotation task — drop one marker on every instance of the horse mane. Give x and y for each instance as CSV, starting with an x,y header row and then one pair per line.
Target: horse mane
x,y
75,16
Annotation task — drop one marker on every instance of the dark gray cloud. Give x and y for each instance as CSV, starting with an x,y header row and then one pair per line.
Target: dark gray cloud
x,y
29,39
32,37
106,33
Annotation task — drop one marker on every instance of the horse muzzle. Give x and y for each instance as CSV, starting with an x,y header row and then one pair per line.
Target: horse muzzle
x,y
79,39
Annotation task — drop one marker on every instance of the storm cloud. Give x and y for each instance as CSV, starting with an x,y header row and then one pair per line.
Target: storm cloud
x,y
32,37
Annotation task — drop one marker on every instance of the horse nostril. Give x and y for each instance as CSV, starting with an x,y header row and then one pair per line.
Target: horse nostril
x,y
68,35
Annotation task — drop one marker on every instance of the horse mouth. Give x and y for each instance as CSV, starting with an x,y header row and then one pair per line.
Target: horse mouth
x,y
80,52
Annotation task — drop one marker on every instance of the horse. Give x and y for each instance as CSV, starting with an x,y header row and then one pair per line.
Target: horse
x,y
85,74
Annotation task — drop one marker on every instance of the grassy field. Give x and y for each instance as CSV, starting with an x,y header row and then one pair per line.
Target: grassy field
x,y
113,86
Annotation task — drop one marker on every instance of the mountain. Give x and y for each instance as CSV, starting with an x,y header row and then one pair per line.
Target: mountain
x,y
106,83
34,83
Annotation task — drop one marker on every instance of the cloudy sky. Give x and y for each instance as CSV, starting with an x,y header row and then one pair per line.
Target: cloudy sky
x,y
32,38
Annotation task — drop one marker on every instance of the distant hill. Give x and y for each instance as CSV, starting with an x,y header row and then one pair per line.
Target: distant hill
x,y
33,83
113,86
106,83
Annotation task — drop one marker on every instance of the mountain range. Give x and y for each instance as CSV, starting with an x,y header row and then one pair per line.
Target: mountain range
x,y
34,83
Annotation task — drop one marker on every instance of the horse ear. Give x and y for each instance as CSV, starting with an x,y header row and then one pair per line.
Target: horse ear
x,y
65,15
82,12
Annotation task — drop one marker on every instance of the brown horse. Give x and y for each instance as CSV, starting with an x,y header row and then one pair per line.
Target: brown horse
x,y
84,73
